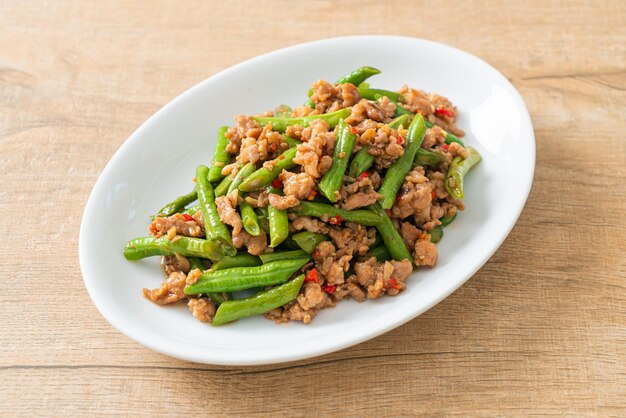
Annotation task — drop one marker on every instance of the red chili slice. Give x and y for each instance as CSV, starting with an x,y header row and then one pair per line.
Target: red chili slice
x,y
393,283
433,195
353,130
445,147
329,289
188,217
400,140
277,184
312,276
363,175
442,111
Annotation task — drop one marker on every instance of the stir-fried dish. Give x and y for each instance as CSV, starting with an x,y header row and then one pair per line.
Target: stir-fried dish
x,y
342,197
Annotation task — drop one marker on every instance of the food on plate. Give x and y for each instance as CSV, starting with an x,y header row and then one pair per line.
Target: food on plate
x,y
342,197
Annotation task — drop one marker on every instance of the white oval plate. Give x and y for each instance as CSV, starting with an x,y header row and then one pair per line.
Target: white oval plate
x,y
158,162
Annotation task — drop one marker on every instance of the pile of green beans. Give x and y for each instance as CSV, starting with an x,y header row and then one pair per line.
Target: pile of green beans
x,y
277,274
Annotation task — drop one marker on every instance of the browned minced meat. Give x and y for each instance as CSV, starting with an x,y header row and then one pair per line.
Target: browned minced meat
x,y
192,228
267,146
301,111
425,252
376,277
433,137
299,223
283,202
361,192
417,101
175,263
202,309
385,143
352,239
379,111
170,291
414,197
228,215
256,245
245,127
330,264
298,185
314,154
329,98
350,288
409,234
308,303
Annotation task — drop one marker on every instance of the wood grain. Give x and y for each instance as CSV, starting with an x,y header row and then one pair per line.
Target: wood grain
x,y
540,330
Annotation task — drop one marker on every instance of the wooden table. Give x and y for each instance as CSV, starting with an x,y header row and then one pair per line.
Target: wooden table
x,y
541,329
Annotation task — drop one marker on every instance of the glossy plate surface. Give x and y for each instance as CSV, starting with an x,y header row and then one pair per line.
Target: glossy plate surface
x,y
158,162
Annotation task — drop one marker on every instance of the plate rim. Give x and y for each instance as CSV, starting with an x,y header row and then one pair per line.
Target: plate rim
x,y
309,352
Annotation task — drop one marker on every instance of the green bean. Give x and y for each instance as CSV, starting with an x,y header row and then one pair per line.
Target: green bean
x,y
380,252
241,278
283,111
393,241
178,204
249,218
220,157
191,210
394,177
356,77
263,176
402,120
281,124
260,303
217,298
222,188
264,221
447,220
361,162
292,142
309,241
243,173
279,223
214,229
325,212
196,263
288,245
241,259
373,94
450,138
457,170
139,248
331,182
436,234
426,158
283,255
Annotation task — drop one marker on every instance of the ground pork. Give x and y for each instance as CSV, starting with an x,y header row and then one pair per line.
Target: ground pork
x,y
299,185
409,234
455,149
385,143
245,127
350,288
303,110
308,303
282,202
267,146
380,278
380,111
329,98
175,263
202,309
425,252
360,192
437,109
170,291
433,137
314,154
329,264
228,215
183,225
256,244
352,239
414,198
306,223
